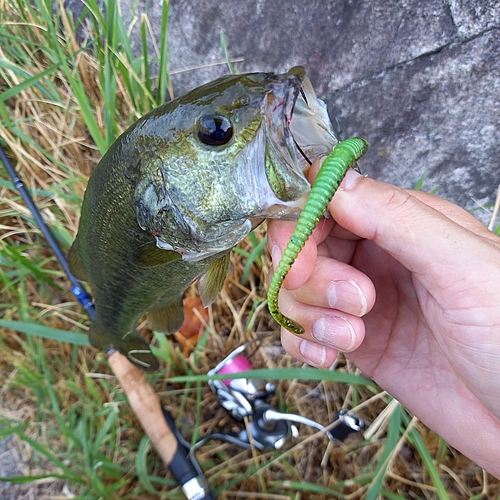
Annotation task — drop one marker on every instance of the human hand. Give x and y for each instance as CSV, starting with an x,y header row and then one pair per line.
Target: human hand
x,y
408,286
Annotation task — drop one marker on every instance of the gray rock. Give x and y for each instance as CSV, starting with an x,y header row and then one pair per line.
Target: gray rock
x,y
437,115
474,17
339,42
10,466
13,465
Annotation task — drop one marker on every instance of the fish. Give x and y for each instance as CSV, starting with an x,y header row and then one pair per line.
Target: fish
x,y
181,187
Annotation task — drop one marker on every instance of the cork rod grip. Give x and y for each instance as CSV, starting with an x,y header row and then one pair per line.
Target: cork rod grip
x,y
146,405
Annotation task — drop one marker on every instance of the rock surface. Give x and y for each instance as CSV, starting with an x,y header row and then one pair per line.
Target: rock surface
x,y
439,115
10,466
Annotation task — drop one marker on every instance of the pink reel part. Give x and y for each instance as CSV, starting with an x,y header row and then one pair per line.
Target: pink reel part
x,y
236,365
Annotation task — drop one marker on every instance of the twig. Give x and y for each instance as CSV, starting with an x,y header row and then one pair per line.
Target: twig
x,y
496,208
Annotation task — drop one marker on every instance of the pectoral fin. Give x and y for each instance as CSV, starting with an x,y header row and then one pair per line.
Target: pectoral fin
x,y
212,281
74,262
166,318
131,345
149,255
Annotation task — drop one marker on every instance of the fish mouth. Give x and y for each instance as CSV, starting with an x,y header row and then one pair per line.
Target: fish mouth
x,y
298,130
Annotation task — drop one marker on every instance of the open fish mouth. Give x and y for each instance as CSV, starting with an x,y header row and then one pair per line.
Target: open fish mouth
x,y
299,131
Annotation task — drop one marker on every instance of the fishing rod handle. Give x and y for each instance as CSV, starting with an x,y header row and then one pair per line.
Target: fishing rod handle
x,y
146,406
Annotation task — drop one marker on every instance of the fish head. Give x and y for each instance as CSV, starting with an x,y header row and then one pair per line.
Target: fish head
x,y
215,162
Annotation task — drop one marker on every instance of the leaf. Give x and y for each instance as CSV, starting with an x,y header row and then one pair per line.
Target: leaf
x,y
195,320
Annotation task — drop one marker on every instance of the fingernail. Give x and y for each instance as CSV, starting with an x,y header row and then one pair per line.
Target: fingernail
x,y
350,179
275,254
346,295
312,353
334,332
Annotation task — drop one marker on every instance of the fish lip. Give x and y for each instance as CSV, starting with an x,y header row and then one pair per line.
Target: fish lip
x,y
300,87
295,77
298,130
279,107
202,248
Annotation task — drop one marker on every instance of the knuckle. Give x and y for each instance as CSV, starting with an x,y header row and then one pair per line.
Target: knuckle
x,y
398,200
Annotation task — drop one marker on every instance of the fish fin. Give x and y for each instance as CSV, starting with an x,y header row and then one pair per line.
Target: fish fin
x,y
166,318
131,345
74,262
212,281
149,255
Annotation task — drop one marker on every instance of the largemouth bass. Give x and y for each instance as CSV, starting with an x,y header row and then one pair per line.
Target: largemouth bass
x,y
181,187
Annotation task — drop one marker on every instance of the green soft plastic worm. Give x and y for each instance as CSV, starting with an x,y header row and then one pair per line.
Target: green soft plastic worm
x,y
344,155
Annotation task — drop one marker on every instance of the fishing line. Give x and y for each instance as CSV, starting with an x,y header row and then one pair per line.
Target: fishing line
x,y
303,95
302,152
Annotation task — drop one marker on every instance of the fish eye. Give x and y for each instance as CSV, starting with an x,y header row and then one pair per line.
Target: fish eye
x,y
215,130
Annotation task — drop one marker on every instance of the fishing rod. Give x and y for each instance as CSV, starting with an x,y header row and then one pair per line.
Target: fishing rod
x,y
156,420
77,289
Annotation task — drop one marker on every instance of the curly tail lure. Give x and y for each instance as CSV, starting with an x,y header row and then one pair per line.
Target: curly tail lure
x,y
344,155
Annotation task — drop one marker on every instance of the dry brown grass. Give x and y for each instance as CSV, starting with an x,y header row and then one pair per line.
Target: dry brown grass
x,y
66,158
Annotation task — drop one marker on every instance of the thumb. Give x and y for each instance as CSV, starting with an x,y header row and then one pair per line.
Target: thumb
x,y
406,225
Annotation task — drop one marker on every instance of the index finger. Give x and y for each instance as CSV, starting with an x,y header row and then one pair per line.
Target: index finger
x,y
279,233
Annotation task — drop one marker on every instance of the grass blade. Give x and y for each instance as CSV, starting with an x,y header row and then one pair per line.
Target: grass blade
x,y
47,454
141,464
223,44
416,440
145,56
306,373
255,256
29,479
163,77
46,332
393,433
28,82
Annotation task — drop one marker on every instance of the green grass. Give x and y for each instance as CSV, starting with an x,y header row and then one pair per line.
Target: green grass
x,y
61,106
